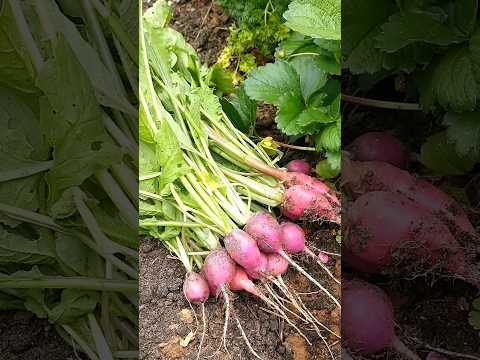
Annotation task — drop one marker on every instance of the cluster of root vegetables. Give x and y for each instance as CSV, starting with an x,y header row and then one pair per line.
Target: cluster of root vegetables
x,y
394,223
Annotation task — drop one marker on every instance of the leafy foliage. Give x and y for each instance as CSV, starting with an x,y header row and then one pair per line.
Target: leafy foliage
x,y
438,42
64,219
302,83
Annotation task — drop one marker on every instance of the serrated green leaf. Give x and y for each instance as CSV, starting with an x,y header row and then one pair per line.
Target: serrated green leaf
x,y
315,18
405,28
439,155
312,77
329,167
330,138
290,108
464,131
451,82
271,82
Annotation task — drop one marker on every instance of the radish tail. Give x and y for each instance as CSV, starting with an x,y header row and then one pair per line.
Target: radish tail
x,y
227,317
309,277
254,353
401,348
204,321
321,264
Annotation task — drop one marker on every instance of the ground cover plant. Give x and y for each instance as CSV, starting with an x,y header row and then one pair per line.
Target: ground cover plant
x,y
202,180
68,218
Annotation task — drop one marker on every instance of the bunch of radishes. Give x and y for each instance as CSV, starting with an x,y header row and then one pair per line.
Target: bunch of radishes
x,y
397,223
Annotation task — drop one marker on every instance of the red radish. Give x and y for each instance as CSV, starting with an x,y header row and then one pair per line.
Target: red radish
x,y
276,265
303,202
367,320
195,288
324,258
264,229
384,230
297,178
379,146
219,270
243,249
292,237
241,282
260,271
300,166
361,177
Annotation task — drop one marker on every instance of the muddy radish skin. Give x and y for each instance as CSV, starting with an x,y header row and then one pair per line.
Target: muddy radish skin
x,y
276,265
264,229
304,202
300,166
388,232
379,146
368,320
242,249
219,270
361,177
195,288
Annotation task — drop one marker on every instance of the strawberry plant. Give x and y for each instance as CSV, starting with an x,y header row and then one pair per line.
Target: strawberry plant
x,y
435,45
303,81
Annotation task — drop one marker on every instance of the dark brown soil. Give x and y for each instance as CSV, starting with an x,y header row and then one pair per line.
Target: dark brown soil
x,y
166,318
204,25
23,336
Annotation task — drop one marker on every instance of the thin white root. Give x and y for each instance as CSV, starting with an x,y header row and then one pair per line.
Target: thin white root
x,y
286,318
451,353
254,353
309,277
401,348
312,254
204,320
227,318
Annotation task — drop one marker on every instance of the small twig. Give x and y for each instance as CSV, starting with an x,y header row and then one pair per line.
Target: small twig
x,y
381,104
303,148
203,22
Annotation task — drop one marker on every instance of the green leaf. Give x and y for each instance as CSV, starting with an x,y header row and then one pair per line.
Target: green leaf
x,y
330,167
360,27
271,82
405,28
330,138
241,110
221,79
73,123
22,147
287,116
315,18
18,249
464,131
16,68
312,77
107,90
74,254
451,82
73,305
158,15
439,155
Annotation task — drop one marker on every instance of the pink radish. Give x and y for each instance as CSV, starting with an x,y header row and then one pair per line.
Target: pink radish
x,y
219,270
297,178
361,177
195,288
303,202
367,320
266,230
243,249
300,166
276,265
379,146
293,241
241,282
386,229
259,272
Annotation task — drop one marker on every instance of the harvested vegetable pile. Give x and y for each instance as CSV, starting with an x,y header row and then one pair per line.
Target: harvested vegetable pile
x,y
68,218
202,181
